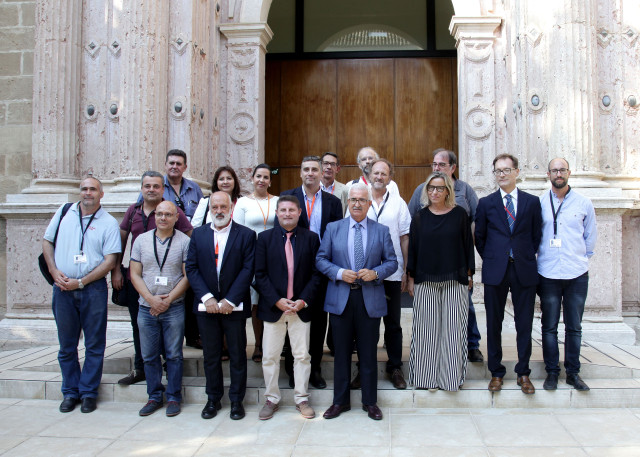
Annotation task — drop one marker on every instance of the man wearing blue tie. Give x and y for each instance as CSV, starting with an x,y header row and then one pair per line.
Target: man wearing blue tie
x,y
356,254
507,234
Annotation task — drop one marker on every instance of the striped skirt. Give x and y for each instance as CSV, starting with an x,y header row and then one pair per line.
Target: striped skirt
x,y
438,357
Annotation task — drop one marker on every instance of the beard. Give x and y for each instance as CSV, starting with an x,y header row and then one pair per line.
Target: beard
x,y
366,170
220,222
559,184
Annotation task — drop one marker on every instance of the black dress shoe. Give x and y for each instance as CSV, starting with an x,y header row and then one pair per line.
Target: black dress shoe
x,y
292,382
373,412
316,380
397,379
475,355
335,410
210,409
196,344
88,405
576,381
355,383
551,383
132,378
68,404
237,410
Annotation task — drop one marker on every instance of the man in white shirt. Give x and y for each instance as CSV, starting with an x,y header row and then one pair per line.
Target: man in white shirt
x,y
365,158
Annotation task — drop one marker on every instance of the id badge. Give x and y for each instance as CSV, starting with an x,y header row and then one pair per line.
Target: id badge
x,y
555,243
161,281
80,258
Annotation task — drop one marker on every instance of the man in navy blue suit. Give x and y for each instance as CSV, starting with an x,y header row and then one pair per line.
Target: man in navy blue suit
x,y
318,209
220,270
507,234
356,254
287,279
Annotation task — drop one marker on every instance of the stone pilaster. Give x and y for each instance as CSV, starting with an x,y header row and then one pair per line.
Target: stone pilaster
x,y
246,49
56,95
475,38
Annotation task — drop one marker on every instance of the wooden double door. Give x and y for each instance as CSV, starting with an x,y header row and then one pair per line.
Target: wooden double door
x,y
402,107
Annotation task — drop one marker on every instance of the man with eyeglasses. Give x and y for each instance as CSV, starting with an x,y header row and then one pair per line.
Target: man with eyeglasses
x,y
507,235
568,239
328,183
446,162
365,158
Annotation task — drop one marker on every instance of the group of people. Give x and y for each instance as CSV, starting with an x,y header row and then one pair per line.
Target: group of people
x,y
199,267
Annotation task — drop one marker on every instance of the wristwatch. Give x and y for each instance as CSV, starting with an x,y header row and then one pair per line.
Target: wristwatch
x,y
80,285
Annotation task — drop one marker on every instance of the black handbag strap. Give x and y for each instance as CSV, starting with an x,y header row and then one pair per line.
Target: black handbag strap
x,y
65,208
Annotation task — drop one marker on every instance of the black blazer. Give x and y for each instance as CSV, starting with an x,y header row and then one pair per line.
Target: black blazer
x,y
331,209
271,272
236,273
494,239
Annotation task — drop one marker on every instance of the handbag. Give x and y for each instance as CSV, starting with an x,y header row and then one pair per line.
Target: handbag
x,y
42,263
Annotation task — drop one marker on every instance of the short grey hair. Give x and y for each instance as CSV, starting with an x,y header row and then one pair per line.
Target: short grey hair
x,y
151,174
369,148
361,186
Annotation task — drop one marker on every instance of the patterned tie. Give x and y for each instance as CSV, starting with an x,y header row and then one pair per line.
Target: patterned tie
x,y
288,252
358,251
511,216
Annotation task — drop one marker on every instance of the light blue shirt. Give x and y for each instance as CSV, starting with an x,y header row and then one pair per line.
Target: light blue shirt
x,y
577,232
315,218
101,239
350,243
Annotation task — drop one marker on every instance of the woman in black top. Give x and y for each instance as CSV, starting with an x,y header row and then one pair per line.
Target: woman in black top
x,y
440,269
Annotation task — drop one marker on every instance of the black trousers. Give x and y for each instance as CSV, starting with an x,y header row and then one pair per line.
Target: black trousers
x,y
132,304
212,329
523,298
355,323
392,327
191,332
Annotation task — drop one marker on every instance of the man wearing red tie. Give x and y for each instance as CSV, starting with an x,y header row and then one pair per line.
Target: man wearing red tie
x,y
288,280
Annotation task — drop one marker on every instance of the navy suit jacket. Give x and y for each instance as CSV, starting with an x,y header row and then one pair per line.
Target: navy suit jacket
x,y
494,239
272,275
379,256
331,209
236,272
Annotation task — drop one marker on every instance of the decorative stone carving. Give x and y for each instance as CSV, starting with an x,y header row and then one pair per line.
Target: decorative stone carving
x,y
242,128
604,37
534,35
479,123
115,47
92,48
179,45
630,36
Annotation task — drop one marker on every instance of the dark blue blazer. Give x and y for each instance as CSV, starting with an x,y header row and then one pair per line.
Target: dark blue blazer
x,y
272,276
379,256
236,272
494,239
331,209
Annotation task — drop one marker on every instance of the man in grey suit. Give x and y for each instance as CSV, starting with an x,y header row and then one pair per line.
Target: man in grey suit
x,y
328,182
356,254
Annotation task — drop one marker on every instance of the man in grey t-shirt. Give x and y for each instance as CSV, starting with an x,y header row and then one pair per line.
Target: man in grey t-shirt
x,y
158,274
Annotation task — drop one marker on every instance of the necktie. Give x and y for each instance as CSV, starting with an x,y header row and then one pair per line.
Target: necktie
x,y
511,216
216,254
288,252
358,251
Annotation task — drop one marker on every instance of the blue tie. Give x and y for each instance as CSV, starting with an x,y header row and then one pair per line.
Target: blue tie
x,y
358,251
511,216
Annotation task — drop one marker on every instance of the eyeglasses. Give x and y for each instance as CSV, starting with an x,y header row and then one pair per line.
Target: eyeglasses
x,y
439,165
439,189
504,171
165,215
361,201
559,171
330,164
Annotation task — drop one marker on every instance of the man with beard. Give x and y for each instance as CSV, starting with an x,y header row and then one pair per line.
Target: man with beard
x,y
568,240
365,158
220,270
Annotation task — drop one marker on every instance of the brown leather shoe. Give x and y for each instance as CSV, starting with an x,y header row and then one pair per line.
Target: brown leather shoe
x,y
335,410
397,379
495,385
373,412
525,385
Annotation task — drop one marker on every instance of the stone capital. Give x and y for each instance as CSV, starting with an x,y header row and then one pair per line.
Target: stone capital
x,y
474,28
256,33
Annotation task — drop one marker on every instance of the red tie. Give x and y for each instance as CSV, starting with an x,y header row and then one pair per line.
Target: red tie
x,y
288,251
216,254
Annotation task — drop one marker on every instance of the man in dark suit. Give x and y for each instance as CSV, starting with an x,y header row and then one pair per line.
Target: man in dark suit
x,y
356,254
220,269
318,209
287,279
507,234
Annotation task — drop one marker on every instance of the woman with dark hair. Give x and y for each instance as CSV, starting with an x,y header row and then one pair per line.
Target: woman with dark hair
x,y
440,268
257,211
225,180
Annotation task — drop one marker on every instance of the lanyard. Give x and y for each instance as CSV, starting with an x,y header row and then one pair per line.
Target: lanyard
x,y
178,200
384,205
87,227
166,253
555,213
365,180
264,218
309,210
145,219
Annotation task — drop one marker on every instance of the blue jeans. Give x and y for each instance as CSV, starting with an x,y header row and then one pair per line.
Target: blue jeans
x,y
571,295
167,328
74,311
473,334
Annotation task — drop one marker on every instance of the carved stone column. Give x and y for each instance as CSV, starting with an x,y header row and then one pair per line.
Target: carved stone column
x,y
246,49
475,38
56,95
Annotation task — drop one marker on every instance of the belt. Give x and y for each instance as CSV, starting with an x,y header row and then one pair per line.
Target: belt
x,y
355,286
